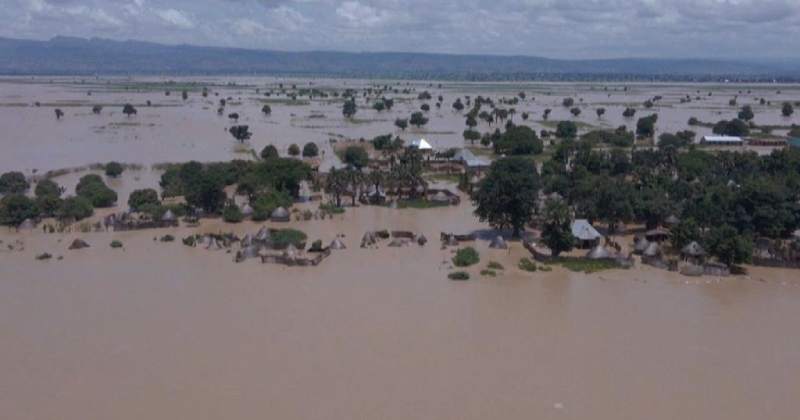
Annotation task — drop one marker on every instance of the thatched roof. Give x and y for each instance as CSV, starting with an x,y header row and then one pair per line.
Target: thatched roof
x,y
584,231
368,239
498,243
338,244
672,220
247,210
640,244
598,253
263,235
656,234
652,250
440,197
693,250
168,216
78,244
250,251
280,215
27,224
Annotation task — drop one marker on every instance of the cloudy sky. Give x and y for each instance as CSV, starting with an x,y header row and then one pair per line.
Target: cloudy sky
x,y
553,28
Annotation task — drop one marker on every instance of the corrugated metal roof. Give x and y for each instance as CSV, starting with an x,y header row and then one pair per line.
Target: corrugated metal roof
x,y
469,158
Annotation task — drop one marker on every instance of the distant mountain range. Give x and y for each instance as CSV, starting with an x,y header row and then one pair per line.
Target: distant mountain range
x,y
78,56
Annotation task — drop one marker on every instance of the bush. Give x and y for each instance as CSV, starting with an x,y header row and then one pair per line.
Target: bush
x,y
264,204
232,214
116,244
114,169
282,238
356,157
466,257
494,265
310,150
519,140
269,152
458,275
13,183
527,265
488,273
15,208
167,238
294,150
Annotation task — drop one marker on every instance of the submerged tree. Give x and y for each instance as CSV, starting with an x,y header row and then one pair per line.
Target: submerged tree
x,y
506,198
240,132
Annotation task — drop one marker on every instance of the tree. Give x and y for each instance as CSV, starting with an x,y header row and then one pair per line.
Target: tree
x,y
336,185
728,246
646,126
600,112
401,123
95,190
75,208
458,105
746,113
114,169
628,112
575,111
129,110
13,183
471,122
15,208
568,102
266,110
232,213
546,114
507,196
734,127
519,140
787,109
206,193
240,132
566,130
310,150
294,150
141,199
234,116
268,152
349,108
557,227
47,187
683,233
185,95
59,113
471,136
356,156
418,119
97,109
425,107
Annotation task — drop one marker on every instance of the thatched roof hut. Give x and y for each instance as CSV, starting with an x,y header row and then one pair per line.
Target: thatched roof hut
x,y
368,240
640,244
168,216
247,240
247,210
498,243
280,215
440,197
26,224
585,233
652,250
337,244
78,244
656,235
671,220
599,252
693,250
263,235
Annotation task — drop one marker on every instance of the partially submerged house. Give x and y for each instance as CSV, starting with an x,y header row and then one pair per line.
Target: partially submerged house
x,y
693,253
586,235
722,141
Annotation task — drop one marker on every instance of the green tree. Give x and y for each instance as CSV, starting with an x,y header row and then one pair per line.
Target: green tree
x,y
294,150
566,130
519,140
683,233
356,156
336,184
310,150
646,126
507,196
240,132
232,213
787,109
600,112
15,208
75,208
746,113
269,152
728,246
349,108
266,110
96,191
140,199
557,227
114,169
47,187
401,123
471,136
13,183
129,110
418,119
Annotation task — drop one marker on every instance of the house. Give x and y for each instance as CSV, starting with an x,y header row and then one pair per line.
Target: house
x,y
722,141
585,233
470,161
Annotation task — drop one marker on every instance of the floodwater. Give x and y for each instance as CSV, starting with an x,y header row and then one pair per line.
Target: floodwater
x,y
174,130
163,331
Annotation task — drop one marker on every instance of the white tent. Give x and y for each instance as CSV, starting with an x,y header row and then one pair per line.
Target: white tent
x,y
421,144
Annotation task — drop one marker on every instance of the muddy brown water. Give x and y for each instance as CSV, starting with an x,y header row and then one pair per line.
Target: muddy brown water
x,y
163,331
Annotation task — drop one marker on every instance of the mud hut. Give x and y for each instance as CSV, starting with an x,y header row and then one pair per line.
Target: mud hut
x,y
280,215
640,244
498,243
693,253
653,250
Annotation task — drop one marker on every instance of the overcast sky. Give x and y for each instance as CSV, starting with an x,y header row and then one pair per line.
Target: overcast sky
x,y
552,28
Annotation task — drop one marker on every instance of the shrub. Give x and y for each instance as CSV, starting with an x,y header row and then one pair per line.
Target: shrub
x,y
264,204
114,169
95,190
141,198
47,187
268,152
458,275
15,208
167,238
527,265
75,208
356,156
232,214
466,257
283,237
116,244
488,273
294,150
494,265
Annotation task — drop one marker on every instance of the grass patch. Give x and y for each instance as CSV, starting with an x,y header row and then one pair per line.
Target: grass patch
x,y
582,265
466,257
494,265
458,275
331,208
526,264
116,244
419,203
488,273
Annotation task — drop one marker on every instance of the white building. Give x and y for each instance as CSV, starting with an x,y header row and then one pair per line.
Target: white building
x,y
722,141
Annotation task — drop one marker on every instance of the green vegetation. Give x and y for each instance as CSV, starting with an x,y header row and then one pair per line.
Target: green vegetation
x,y
95,190
488,273
507,196
582,265
116,244
526,264
310,150
458,275
282,238
466,257
519,140
494,265
13,183
232,213
114,169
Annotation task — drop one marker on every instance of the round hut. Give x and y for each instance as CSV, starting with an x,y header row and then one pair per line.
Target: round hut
x,y
498,243
280,215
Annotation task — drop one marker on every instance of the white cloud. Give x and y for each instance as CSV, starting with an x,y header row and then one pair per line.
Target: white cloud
x,y
175,17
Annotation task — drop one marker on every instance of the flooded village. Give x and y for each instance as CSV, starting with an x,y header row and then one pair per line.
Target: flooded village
x,y
344,248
